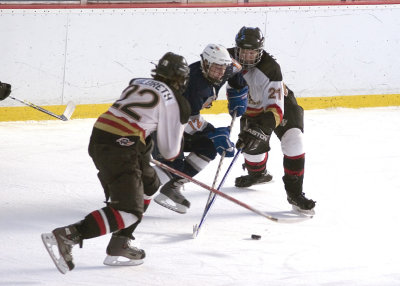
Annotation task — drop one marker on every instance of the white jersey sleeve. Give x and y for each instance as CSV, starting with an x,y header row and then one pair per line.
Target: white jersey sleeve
x,y
170,130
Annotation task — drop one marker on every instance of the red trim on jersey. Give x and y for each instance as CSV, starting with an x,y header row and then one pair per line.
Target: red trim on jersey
x,y
114,124
251,111
100,222
277,109
118,218
127,121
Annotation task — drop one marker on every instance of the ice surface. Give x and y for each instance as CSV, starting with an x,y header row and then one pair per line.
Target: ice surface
x,y
352,171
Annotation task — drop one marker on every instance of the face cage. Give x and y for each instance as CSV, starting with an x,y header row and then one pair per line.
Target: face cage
x,y
248,65
180,83
205,68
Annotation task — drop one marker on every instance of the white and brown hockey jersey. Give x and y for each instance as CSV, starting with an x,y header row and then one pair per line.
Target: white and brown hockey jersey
x,y
145,106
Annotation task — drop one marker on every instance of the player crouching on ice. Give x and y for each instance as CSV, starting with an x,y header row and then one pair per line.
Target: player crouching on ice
x,y
120,146
201,139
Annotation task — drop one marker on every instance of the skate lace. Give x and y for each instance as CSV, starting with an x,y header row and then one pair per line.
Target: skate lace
x,y
129,245
74,238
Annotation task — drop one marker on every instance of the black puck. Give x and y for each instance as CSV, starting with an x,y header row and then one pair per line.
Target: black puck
x,y
256,236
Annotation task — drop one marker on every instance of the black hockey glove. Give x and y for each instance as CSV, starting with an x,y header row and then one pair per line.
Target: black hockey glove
x,y
252,139
5,90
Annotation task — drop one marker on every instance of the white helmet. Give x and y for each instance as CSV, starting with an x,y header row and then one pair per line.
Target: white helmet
x,y
214,54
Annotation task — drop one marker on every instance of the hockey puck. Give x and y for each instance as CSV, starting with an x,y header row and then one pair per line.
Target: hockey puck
x,y
256,236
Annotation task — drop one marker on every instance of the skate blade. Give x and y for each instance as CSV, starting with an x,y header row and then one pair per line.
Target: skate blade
x,y
166,202
121,261
300,211
49,242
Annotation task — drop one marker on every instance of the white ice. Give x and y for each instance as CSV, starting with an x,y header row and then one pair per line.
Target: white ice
x,y
352,171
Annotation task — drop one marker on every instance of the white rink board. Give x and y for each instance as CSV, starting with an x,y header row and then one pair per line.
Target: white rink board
x,y
89,55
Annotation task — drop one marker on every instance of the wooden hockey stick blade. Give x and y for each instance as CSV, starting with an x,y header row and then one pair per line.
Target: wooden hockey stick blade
x,y
270,216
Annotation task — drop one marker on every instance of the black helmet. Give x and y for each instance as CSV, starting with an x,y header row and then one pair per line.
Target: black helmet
x,y
249,39
173,70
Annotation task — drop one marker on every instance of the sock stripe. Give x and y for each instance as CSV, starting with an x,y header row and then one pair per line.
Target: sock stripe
x,y
99,220
111,219
105,220
294,173
118,218
294,165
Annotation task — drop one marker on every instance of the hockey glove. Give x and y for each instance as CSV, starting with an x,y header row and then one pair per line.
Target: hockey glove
x,y
252,139
237,100
5,90
220,138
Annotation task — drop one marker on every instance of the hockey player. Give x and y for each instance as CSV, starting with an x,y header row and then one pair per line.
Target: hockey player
x,y
5,90
201,139
272,107
120,146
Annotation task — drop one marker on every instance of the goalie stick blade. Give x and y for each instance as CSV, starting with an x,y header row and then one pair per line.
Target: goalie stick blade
x,y
69,110
50,242
121,261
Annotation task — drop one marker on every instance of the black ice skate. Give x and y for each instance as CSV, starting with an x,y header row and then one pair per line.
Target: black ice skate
x,y
301,204
120,252
64,238
295,195
253,179
171,197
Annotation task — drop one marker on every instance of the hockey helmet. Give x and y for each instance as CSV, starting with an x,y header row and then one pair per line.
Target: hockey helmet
x,y
173,70
214,61
249,46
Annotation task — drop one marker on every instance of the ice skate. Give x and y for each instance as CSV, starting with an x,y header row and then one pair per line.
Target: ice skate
x,y
64,238
171,197
253,179
120,252
295,195
301,204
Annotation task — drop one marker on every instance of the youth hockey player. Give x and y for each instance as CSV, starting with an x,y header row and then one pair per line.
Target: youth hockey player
x,y
271,107
120,146
201,139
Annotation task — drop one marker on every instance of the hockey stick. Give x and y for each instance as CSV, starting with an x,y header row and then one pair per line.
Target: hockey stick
x,y
210,202
267,215
211,196
64,117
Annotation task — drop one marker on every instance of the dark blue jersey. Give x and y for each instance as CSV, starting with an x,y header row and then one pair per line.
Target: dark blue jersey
x,y
200,92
